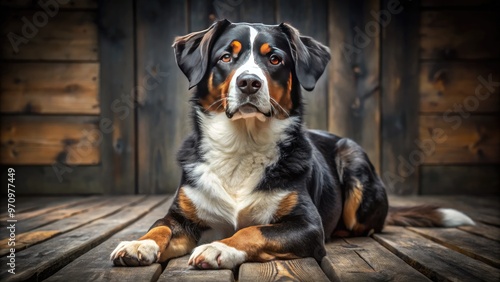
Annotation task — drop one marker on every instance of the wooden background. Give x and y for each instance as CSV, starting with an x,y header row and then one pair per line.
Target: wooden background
x,y
93,102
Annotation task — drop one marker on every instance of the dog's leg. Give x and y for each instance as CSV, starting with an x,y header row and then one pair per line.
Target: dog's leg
x,y
285,240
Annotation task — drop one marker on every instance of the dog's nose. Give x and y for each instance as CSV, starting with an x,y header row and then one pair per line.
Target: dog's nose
x,y
248,83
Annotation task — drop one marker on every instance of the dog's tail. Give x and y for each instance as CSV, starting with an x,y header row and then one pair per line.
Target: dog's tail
x,y
426,216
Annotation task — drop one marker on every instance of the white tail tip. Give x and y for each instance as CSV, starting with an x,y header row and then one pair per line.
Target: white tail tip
x,y
453,218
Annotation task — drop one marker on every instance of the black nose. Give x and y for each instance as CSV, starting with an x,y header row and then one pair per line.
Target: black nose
x,y
248,83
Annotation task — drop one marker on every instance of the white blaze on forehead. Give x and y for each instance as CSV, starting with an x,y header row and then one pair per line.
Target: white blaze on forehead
x,y
250,67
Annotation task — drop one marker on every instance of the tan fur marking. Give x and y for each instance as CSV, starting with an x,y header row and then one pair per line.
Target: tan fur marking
x,y
256,246
265,48
281,95
216,94
351,205
287,205
236,45
187,207
178,247
160,234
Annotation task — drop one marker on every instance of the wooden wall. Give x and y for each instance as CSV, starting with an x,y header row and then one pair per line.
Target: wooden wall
x,y
94,102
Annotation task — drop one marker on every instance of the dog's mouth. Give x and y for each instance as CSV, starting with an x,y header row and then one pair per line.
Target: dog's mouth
x,y
246,111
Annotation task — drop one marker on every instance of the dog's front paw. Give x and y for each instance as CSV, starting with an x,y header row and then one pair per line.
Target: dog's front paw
x,y
216,255
135,253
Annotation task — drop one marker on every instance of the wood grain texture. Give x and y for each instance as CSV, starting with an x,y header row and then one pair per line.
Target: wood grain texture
x,y
118,100
69,4
38,141
469,140
433,260
178,270
480,248
163,110
483,230
96,262
446,84
68,35
353,83
463,34
49,88
459,179
259,11
306,269
399,97
363,259
42,260
310,20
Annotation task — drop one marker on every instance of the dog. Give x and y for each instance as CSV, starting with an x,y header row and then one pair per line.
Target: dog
x,y
256,184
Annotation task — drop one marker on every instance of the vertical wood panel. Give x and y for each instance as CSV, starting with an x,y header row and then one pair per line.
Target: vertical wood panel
x,y
310,18
163,112
354,92
252,11
116,92
399,71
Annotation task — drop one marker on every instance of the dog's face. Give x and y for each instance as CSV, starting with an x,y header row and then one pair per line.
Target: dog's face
x,y
250,70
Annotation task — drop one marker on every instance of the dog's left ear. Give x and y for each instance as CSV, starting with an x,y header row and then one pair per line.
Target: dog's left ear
x,y
192,51
310,56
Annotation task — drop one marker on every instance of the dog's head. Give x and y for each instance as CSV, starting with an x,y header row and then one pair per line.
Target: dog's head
x,y
250,70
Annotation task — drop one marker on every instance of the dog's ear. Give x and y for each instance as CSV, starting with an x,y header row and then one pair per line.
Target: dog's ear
x,y
310,56
192,51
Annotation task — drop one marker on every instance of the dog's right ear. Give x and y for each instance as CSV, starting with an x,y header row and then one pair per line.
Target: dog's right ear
x,y
192,51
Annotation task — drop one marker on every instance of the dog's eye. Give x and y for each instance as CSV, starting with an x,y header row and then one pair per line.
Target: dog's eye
x,y
226,58
274,59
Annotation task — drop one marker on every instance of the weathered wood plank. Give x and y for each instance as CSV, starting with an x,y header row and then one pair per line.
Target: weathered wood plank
x,y
44,142
66,36
354,72
310,20
464,34
484,230
69,4
306,269
42,260
443,85
459,179
201,15
96,262
25,204
460,140
163,112
459,3
178,270
258,11
433,260
25,239
485,250
399,96
363,259
49,88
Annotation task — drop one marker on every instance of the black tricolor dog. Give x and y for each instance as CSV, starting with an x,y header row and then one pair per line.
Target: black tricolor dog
x,y
256,185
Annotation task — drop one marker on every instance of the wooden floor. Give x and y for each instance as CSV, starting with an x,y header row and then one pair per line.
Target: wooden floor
x,y
70,239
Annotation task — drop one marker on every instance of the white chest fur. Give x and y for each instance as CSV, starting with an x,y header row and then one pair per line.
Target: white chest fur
x,y
236,154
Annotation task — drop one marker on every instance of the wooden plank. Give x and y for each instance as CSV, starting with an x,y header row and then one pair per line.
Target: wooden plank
x,y
258,11
42,260
484,230
44,142
57,179
25,239
445,84
463,34
26,204
96,261
201,15
163,112
459,3
354,74
49,88
310,20
399,97
485,250
118,98
363,259
306,269
460,140
68,4
433,260
459,179
66,36
178,270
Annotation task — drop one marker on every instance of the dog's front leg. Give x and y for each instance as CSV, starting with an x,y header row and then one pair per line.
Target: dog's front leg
x,y
284,240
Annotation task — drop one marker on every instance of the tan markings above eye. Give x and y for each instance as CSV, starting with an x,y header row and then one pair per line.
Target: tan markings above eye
x,y
236,45
274,59
265,48
226,58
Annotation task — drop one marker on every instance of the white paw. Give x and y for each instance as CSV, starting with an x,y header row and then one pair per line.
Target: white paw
x,y
216,255
135,253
